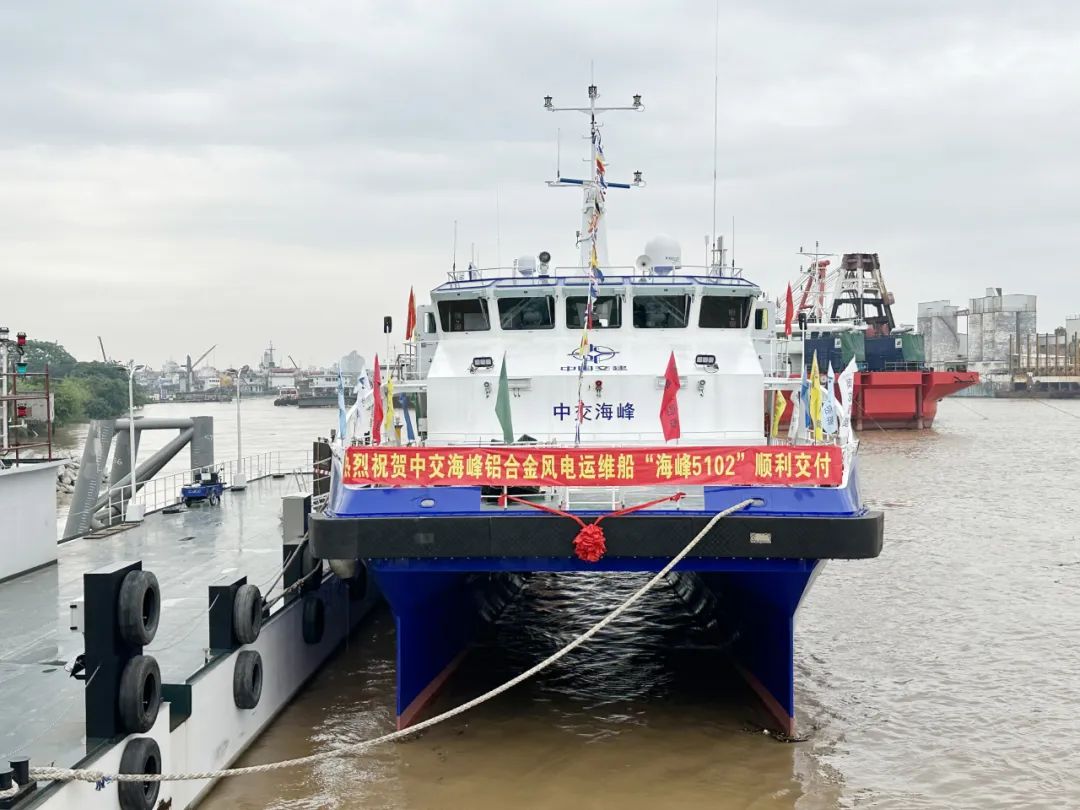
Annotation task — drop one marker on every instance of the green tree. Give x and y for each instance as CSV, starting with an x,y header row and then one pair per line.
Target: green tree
x,y
71,398
40,353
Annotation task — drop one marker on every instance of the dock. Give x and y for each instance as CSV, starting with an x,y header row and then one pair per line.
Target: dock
x,y
199,557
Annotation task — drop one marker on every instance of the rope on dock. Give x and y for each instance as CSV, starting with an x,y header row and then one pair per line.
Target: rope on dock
x,y
101,777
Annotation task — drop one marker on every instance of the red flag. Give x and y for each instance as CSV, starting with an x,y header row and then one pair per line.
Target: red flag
x,y
669,405
377,411
789,313
410,319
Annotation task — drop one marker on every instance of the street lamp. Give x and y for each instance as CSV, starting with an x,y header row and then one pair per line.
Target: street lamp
x,y
239,481
135,511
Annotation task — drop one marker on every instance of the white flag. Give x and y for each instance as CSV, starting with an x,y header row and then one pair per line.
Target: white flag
x,y
796,415
847,397
828,404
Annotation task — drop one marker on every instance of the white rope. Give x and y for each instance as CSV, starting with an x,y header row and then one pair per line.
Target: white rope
x,y
85,775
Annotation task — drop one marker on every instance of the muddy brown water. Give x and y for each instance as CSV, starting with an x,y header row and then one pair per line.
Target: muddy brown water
x,y
944,674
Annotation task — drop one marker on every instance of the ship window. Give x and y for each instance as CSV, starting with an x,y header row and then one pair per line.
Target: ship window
x,y
464,315
607,312
724,312
429,323
533,312
661,311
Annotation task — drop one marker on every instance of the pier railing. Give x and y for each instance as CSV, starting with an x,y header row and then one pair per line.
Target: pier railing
x,y
163,491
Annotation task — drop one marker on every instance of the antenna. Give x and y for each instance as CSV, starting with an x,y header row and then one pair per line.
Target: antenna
x,y
732,244
716,117
453,264
558,154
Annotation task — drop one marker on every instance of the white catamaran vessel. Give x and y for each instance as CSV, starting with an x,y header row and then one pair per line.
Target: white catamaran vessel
x,y
537,400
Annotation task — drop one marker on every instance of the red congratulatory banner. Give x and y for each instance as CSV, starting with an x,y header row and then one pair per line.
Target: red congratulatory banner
x,y
639,466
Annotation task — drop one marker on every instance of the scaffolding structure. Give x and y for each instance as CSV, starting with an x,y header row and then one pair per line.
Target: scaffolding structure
x,y
15,407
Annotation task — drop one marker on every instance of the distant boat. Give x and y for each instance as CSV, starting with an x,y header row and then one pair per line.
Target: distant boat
x,y
287,396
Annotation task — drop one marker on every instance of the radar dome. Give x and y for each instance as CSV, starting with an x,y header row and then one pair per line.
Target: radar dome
x,y
665,253
526,265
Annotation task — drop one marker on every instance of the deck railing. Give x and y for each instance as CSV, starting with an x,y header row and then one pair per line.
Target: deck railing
x,y
163,491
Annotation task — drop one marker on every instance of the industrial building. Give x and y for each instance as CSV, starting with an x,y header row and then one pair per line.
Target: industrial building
x,y
997,336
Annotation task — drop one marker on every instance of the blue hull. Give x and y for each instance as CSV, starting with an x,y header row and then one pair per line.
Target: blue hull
x,y
440,607
447,562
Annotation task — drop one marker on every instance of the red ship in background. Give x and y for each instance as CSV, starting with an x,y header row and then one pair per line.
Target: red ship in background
x,y
844,313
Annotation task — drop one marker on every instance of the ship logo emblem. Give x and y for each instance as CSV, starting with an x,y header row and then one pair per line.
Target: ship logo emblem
x,y
595,354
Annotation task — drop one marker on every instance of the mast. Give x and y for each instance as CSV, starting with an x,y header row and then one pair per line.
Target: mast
x,y
592,238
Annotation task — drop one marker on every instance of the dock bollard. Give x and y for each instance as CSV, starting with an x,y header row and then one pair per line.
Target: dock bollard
x,y
17,774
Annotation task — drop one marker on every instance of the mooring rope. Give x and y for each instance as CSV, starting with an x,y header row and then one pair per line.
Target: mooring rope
x,y
101,777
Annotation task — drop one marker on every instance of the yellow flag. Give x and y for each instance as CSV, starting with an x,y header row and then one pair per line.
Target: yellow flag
x,y
388,421
815,398
779,406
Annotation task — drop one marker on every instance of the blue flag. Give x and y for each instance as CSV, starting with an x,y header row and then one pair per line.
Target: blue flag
x,y
404,403
805,399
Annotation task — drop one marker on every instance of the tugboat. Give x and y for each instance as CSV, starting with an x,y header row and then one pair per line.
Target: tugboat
x,y
592,418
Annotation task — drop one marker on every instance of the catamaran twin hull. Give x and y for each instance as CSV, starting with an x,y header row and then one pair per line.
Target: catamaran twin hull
x,y
445,557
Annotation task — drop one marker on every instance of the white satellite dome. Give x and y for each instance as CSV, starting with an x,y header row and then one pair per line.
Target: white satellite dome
x,y
526,265
665,253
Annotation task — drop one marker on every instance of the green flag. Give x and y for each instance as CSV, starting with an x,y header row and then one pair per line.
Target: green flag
x,y
502,405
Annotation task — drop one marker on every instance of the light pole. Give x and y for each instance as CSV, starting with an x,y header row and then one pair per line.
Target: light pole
x,y
239,481
134,511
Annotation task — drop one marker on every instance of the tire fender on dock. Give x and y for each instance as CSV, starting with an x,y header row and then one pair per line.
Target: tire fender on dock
x,y
247,679
138,608
247,613
314,618
141,755
139,696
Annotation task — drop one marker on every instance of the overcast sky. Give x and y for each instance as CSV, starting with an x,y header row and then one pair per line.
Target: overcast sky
x,y
174,175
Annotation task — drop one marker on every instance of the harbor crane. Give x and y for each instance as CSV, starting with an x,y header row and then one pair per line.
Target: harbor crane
x,y
190,368
294,363
101,343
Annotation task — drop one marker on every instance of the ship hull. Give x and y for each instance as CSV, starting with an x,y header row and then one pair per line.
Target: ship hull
x,y
901,400
329,401
445,576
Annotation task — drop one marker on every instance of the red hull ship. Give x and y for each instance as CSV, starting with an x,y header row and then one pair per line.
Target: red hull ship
x,y
894,388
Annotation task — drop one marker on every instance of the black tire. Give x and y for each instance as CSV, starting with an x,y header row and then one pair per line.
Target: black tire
x,y
247,679
308,563
358,585
247,614
140,694
314,619
138,608
141,755
187,502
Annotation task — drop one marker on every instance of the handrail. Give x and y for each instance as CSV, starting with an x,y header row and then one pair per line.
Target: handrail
x,y
163,491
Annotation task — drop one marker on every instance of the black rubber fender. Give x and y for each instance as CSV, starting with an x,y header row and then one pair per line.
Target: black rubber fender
x,y
138,608
313,621
358,585
141,755
247,679
140,694
308,563
247,613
